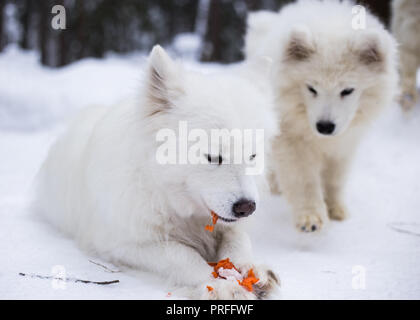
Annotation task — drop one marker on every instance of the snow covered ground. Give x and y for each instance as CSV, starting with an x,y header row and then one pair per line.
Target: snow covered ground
x,y
375,254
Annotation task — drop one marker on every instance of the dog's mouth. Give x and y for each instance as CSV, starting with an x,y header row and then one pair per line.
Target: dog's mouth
x,y
225,219
215,218
220,218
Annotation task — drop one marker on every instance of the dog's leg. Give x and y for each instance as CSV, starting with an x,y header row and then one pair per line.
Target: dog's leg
x,y
184,267
335,173
170,259
409,64
236,245
299,177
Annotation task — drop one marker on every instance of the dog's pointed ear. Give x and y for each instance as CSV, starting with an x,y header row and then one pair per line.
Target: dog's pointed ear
x,y
300,46
163,81
370,50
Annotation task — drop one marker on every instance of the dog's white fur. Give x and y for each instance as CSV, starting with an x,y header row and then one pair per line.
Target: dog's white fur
x,y
101,183
314,46
405,26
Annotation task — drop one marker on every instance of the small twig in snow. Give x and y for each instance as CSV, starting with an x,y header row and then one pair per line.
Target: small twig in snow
x,y
398,226
328,271
67,279
105,267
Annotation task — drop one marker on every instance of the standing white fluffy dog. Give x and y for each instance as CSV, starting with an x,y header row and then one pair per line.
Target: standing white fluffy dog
x,y
102,184
406,28
331,79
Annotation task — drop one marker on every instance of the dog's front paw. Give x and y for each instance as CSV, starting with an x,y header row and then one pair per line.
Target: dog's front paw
x,y
337,211
221,289
311,222
268,281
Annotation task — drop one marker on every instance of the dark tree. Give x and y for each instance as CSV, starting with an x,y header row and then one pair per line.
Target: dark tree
x,y
80,29
25,9
63,42
253,5
2,35
212,42
226,26
44,9
96,27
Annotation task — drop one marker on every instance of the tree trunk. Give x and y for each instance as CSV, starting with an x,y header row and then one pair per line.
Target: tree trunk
x,y
2,35
212,46
44,30
81,29
201,19
62,47
26,24
253,5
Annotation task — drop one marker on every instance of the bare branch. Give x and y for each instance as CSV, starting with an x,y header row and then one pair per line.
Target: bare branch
x,y
104,267
67,279
402,227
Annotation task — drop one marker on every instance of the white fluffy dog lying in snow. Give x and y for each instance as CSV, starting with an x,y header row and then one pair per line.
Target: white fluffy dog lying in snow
x,y
102,184
406,28
330,80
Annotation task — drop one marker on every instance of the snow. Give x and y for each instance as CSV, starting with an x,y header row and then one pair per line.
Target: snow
x,y
375,254
187,45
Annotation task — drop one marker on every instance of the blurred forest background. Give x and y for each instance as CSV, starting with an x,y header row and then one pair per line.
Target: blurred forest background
x,y
206,30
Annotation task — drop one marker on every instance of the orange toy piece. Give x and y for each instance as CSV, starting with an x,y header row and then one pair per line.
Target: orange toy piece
x,y
249,281
225,264
246,282
215,217
209,288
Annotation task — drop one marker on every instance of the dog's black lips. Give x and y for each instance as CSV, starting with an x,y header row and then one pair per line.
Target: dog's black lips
x,y
222,218
226,219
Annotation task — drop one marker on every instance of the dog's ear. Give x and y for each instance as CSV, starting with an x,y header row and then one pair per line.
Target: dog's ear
x,y
163,81
370,50
300,47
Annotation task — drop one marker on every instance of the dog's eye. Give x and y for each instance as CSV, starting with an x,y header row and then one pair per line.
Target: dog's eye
x,y
252,157
346,92
214,159
312,90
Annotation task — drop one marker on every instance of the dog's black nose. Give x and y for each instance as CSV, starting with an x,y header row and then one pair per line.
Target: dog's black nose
x,y
325,127
243,208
